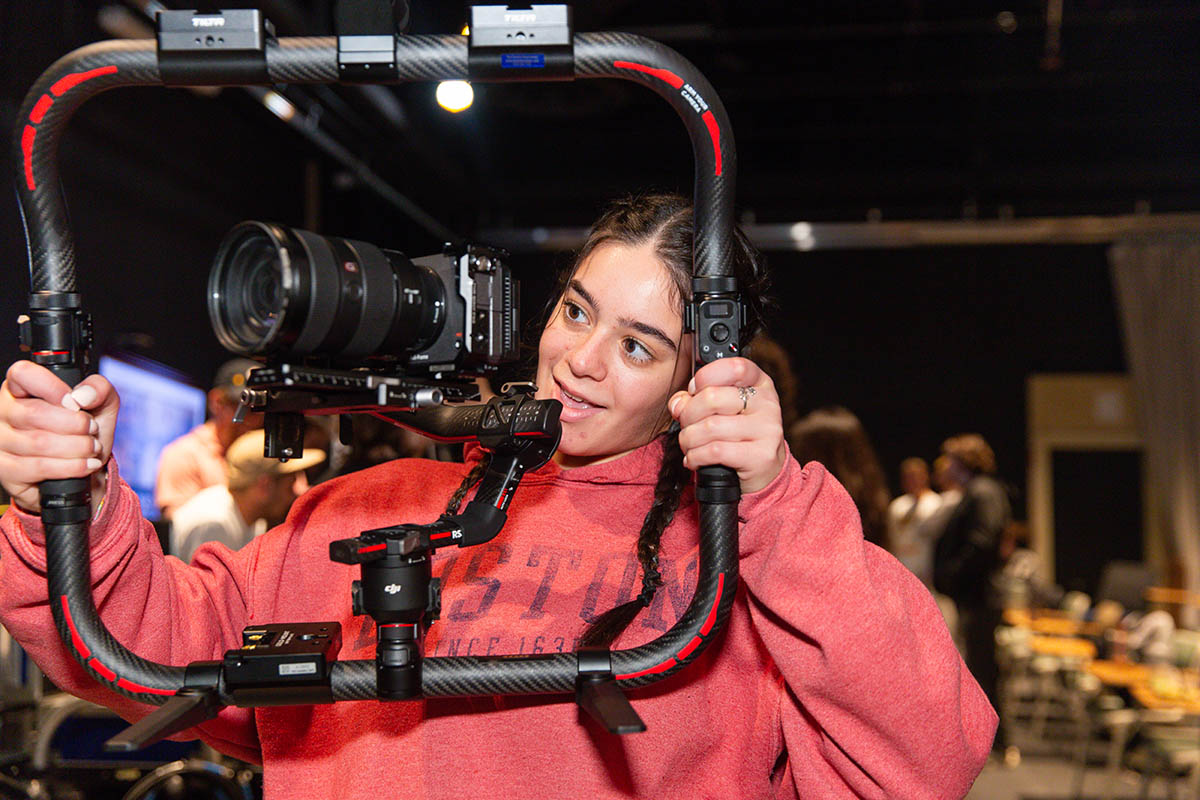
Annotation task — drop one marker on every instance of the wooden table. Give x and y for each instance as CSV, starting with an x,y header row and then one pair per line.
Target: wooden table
x,y
1119,673
1188,703
1063,647
1050,622
1171,597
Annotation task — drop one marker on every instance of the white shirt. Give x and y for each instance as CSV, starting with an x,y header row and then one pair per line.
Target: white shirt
x,y
911,542
210,516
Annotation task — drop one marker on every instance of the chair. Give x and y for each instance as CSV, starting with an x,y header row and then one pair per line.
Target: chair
x,y
1126,582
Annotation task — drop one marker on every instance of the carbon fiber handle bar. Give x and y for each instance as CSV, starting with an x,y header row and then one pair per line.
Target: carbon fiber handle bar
x,y
107,65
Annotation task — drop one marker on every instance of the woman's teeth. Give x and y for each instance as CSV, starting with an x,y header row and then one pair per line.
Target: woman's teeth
x,y
573,401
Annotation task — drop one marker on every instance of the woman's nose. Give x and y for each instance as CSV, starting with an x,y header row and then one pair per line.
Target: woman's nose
x,y
586,357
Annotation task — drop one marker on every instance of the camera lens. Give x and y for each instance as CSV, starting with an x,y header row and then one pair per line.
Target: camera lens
x,y
283,292
246,298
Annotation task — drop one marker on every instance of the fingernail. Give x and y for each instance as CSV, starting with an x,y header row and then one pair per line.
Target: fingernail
x,y
69,403
692,386
96,446
84,395
673,408
93,463
93,427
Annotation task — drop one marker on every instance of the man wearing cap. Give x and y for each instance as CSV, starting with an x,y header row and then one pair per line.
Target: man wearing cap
x,y
196,460
259,493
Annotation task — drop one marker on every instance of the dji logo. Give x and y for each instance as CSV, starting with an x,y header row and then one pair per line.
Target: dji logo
x,y
208,22
392,588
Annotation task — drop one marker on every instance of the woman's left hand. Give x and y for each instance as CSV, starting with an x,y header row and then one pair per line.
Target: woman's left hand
x,y
729,415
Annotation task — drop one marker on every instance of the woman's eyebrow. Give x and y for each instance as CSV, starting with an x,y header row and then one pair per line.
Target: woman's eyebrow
x,y
640,327
648,330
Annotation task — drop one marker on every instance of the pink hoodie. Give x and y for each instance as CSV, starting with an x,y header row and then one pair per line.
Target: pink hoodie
x,y
835,678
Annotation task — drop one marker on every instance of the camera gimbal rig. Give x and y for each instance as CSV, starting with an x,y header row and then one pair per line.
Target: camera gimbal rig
x,y
299,661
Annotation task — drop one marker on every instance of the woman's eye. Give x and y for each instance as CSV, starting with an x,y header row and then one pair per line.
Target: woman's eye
x,y
574,312
636,350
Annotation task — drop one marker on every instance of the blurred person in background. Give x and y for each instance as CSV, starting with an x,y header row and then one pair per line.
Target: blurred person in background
x,y
257,497
772,359
967,557
835,438
946,483
196,460
911,542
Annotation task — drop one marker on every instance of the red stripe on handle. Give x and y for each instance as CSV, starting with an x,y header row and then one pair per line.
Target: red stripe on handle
x,y
373,548
76,639
100,669
439,536
66,84
39,110
663,667
714,132
27,137
662,74
130,686
692,645
104,671
712,613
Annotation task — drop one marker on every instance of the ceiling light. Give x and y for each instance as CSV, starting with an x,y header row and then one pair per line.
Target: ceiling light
x,y
455,96
280,106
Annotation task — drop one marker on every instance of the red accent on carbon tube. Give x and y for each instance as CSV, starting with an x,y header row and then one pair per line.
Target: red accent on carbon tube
x,y
104,671
27,137
40,109
712,613
69,82
442,535
714,131
373,548
76,639
687,651
662,74
663,667
130,686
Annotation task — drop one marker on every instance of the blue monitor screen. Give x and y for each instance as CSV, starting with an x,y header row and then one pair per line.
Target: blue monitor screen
x,y
157,407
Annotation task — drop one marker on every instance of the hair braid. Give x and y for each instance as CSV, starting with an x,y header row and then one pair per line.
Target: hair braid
x,y
672,478
470,479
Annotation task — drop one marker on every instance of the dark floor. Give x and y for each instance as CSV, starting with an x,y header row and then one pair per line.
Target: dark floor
x,y
1049,777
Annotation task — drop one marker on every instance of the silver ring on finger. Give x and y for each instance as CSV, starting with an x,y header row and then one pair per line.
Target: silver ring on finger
x,y
745,393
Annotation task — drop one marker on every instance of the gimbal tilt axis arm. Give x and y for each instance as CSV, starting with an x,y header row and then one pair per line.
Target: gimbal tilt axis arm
x,y
56,331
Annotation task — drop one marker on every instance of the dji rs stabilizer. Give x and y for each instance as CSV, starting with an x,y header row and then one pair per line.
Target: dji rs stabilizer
x,y
288,664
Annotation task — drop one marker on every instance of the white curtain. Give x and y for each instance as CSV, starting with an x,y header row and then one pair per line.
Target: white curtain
x,y
1157,281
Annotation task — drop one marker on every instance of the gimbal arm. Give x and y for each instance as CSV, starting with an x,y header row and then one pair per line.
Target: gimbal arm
x,y
56,337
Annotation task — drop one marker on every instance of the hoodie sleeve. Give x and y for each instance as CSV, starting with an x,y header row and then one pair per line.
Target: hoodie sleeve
x,y
878,703
151,604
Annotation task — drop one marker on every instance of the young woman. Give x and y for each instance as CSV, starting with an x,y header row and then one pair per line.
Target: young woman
x,y
835,677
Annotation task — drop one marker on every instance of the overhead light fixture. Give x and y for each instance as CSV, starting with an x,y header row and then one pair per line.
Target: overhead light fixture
x,y
279,105
802,235
455,96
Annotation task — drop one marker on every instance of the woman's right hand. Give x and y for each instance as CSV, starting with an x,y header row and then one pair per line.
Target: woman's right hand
x,y
49,431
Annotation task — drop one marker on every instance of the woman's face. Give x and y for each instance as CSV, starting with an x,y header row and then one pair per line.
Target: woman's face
x,y
613,353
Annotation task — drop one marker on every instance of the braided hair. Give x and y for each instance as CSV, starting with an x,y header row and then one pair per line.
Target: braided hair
x,y
666,221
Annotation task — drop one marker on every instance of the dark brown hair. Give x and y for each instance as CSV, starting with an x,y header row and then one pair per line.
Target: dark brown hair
x,y
666,221
834,437
973,451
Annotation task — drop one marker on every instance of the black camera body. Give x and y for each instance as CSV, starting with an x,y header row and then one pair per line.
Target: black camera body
x,y
282,294
482,325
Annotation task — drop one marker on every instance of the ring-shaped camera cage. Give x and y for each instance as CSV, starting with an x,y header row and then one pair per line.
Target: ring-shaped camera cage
x,y
57,334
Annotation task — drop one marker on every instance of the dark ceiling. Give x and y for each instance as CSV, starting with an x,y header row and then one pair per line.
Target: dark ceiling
x,y
842,112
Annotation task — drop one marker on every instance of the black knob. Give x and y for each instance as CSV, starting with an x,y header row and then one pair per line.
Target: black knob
x,y
719,332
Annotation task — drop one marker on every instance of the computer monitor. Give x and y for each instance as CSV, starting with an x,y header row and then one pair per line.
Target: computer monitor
x,y
158,405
